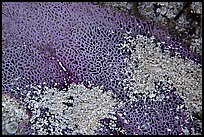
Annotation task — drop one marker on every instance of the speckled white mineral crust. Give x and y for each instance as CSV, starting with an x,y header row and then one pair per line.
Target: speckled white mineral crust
x,y
89,106
152,65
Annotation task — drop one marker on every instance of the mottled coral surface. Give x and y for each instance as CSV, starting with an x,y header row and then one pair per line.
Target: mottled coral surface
x,y
162,113
63,43
56,44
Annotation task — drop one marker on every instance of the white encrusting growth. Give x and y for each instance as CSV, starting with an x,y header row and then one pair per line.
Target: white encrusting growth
x,y
78,108
151,66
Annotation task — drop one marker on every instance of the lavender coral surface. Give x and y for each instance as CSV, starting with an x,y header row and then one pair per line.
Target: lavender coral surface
x,y
56,44
81,36
78,48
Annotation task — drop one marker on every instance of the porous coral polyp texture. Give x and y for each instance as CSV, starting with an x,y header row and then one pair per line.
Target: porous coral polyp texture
x,y
69,41
60,22
152,117
83,41
25,65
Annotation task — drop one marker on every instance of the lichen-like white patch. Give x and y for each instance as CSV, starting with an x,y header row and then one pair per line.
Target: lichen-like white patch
x,y
147,65
78,109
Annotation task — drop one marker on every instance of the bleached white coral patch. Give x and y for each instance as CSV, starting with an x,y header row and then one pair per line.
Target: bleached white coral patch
x,y
147,64
76,111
